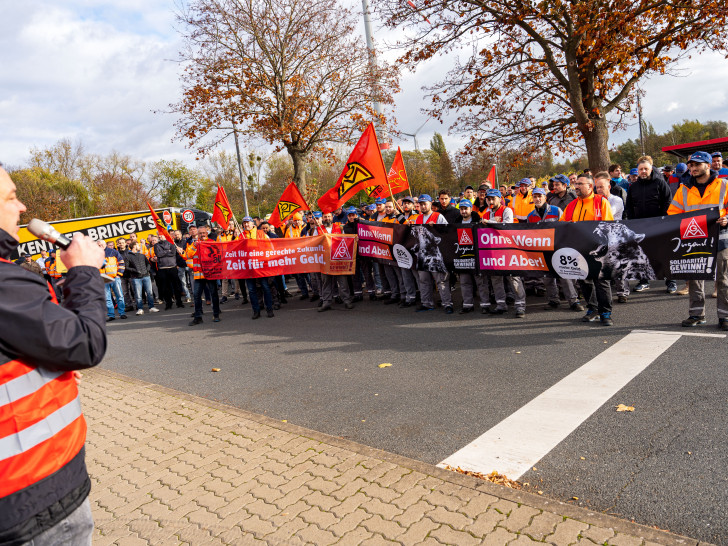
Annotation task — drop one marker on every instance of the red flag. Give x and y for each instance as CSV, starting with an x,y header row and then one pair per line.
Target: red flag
x,y
223,211
290,202
397,178
161,227
364,168
491,176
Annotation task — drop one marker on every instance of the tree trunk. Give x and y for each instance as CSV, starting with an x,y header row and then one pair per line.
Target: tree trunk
x,y
597,145
299,171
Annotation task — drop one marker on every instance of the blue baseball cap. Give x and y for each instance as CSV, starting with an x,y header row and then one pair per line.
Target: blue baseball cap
x,y
560,178
717,154
371,207
493,193
351,210
408,198
425,197
317,214
700,157
540,191
465,203
247,219
380,201
524,182
634,171
681,168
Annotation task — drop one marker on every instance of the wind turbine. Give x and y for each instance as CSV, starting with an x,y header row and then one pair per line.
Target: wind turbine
x,y
414,135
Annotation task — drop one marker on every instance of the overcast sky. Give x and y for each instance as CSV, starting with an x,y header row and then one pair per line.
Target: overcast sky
x,y
95,70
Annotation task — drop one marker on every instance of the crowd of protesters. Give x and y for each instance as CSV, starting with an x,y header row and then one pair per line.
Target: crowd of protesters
x,y
156,272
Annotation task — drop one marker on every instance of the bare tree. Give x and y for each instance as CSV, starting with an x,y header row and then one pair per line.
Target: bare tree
x,y
287,72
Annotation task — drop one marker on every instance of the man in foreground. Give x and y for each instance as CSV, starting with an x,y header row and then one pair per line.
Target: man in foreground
x,y
44,486
704,190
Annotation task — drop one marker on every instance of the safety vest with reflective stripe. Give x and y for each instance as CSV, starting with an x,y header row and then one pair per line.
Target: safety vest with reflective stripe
x,y
521,206
52,270
41,424
689,199
601,210
553,214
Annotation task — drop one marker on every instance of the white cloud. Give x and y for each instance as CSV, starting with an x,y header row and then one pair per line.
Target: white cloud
x,y
96,70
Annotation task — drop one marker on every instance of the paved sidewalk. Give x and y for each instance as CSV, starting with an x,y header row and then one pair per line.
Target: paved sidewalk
x,y
170,468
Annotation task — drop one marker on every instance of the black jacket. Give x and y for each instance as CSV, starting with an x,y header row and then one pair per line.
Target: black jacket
x,y
57,338
451,214
166,254
137,265
125,255
647,198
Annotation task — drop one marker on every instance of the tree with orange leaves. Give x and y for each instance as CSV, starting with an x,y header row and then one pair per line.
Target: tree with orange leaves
x,y
287,72
557,73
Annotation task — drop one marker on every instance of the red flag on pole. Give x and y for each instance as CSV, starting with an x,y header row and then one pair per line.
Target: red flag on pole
x,y
491,176
291,201
223,212
396,178
161,227
364,168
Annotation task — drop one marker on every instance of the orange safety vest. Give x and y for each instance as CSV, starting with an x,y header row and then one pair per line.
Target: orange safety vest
x,y
41,424
254,233
110,267
521,206
497,215
431,220
689,199
52,271
571,207
292,232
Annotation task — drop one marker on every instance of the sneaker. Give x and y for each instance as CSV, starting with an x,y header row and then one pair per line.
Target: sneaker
x,y
694,320
576,306
188,300
671,288
196,320
641,287
591,316
109,319
496,311
140,312
465,310
606,319
406,303
723,324
550,306
449,310
325,307
223,299
256,315
154,310
421,307
683,291
237,296
349,305
122,317
621,299
216,319
520,313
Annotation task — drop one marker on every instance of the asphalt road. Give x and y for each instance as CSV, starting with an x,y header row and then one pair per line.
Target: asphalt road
x,y
454,377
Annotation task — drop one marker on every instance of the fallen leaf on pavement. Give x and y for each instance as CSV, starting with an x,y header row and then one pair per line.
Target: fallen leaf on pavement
x,y
493,477
284,420
622,407
385,365
215,370
583,458
575,498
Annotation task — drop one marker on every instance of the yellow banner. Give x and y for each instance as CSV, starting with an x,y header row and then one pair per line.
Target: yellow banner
x,y
108,228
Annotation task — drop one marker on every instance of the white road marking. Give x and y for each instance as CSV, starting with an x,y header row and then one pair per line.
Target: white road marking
x,y
518,442
695,334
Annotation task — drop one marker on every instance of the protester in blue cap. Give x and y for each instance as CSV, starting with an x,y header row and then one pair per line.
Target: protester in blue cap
x,y
681,173
717,164
648,197
499,213
428,279
468,280
560,194
632,176
522,204
704,190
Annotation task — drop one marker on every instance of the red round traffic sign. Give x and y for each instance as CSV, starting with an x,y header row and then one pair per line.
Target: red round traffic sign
x,y
167,216
188,216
